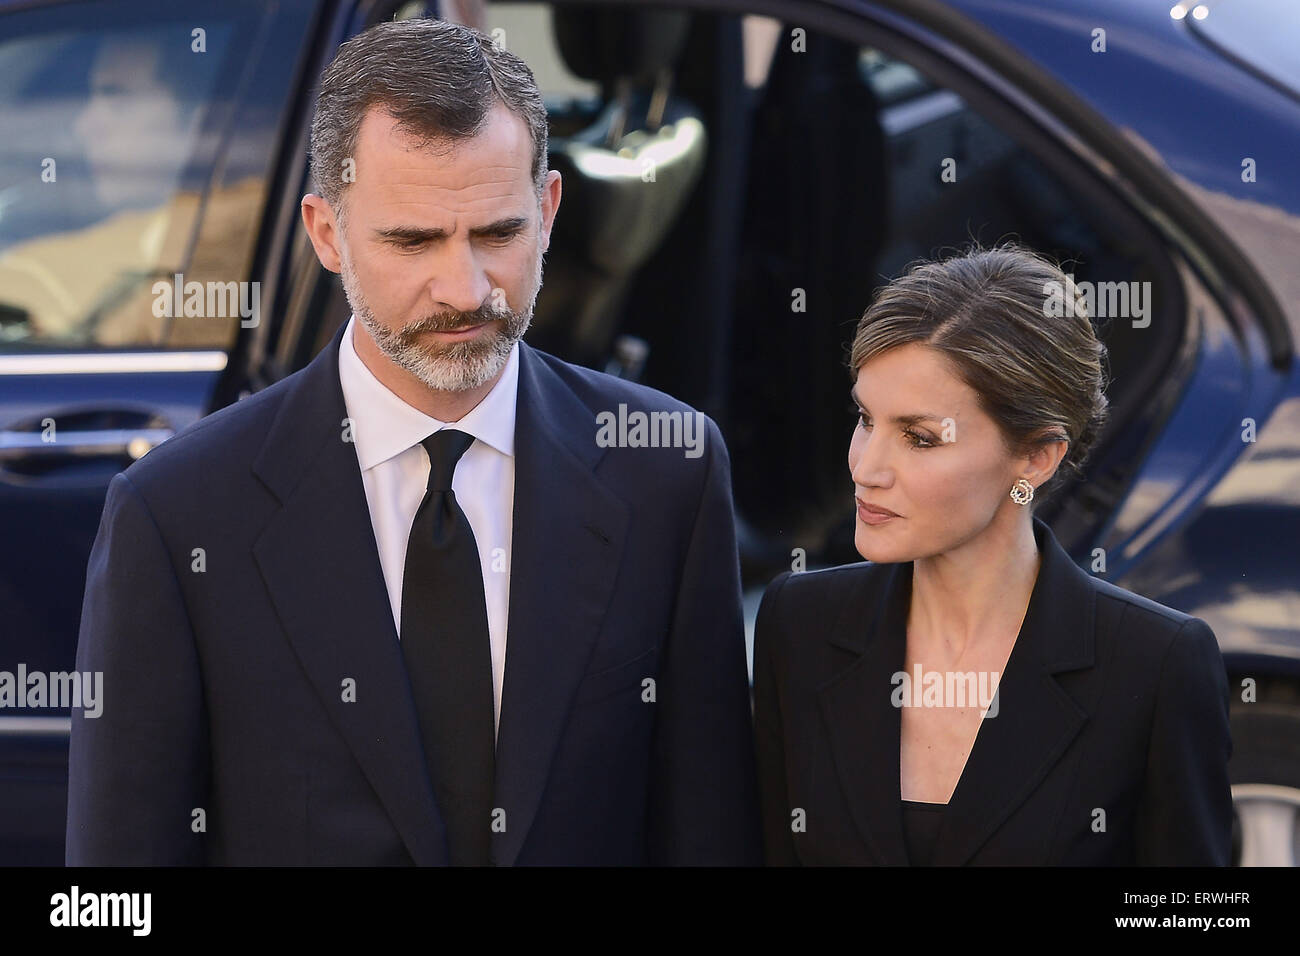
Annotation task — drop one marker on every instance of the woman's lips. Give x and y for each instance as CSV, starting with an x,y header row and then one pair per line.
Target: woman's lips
x,y
868,516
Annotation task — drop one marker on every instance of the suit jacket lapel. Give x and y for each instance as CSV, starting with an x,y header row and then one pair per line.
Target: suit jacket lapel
x,y
1035,722
1036,719
321,566
567,543
861,722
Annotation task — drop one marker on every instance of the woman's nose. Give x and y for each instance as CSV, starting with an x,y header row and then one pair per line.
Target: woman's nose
x,y
867,464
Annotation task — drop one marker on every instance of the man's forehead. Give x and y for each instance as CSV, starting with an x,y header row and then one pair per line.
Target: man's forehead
x,y
469,188
498,153
409,206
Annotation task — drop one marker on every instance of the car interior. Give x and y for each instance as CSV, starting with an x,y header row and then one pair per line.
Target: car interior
x,y
735,190
719,168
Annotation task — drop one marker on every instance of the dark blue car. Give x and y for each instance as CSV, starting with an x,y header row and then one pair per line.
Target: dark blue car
x,y
739,175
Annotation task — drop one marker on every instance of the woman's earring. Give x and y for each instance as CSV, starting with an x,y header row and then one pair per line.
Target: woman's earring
x,y
1022,492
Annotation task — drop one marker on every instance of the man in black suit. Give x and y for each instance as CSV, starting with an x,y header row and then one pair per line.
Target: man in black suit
x,y
431,599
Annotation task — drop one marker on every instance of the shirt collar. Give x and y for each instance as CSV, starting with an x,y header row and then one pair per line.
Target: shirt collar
x,y
384,425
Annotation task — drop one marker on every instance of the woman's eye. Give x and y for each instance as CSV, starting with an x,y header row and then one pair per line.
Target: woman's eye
x,y
915,439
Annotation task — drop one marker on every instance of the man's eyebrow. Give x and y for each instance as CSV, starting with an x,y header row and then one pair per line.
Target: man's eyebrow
x,y
418,233
898,419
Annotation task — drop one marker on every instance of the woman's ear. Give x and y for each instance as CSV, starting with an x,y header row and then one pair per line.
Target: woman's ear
x,y
1042,463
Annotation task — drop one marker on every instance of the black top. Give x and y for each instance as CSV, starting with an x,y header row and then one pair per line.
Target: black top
x,y
920,829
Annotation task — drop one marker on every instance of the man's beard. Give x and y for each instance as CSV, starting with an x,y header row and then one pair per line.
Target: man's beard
x,y
455,366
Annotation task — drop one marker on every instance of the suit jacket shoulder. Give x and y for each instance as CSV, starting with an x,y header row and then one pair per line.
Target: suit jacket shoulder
x,y
804,616
600,391
600,414
816,599
219,444
1147,627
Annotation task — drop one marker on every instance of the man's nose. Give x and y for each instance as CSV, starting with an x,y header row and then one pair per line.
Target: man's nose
x,y
459,282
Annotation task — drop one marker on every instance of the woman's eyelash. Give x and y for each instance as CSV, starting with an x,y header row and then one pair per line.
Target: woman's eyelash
x,y
915,439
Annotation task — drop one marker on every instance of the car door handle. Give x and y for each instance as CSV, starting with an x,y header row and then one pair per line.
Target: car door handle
x,y
127,443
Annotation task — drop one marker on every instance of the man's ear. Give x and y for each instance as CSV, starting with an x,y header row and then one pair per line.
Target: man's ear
x,y
550,204
322,230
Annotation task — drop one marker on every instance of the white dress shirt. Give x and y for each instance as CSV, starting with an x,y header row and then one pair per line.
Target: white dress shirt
x,y
387,433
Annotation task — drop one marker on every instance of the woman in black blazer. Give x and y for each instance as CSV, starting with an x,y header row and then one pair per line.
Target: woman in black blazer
x,y
969,695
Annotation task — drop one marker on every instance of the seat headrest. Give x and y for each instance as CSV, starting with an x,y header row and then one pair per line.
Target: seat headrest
x,y
604,45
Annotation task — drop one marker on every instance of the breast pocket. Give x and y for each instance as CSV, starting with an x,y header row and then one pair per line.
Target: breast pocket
x,y
624,678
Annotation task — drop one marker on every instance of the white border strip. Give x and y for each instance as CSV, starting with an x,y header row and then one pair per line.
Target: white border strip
x,y
91,362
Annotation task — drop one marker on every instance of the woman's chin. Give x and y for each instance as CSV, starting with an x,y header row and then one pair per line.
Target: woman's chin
x,y
872,549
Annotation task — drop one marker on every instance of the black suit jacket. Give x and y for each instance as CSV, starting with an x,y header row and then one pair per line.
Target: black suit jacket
x,y
1109,702
223,688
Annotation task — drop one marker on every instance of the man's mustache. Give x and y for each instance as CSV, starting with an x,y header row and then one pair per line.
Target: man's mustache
x,y
455,321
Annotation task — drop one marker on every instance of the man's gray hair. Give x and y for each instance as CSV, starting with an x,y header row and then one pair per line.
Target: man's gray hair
x,y
439,80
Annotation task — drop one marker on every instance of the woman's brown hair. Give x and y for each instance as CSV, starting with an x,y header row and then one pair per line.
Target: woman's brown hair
x,y
1039,374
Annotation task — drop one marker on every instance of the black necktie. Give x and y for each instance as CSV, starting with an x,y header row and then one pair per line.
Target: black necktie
x,y
448,655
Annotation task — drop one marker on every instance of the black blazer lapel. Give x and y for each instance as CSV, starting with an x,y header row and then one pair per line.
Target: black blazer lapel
x,y
321,566
861,722
567,543
1036,718
1013,752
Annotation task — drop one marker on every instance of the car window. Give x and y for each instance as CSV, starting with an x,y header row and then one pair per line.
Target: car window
x,y
893,81
878,164
111,117
527,30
